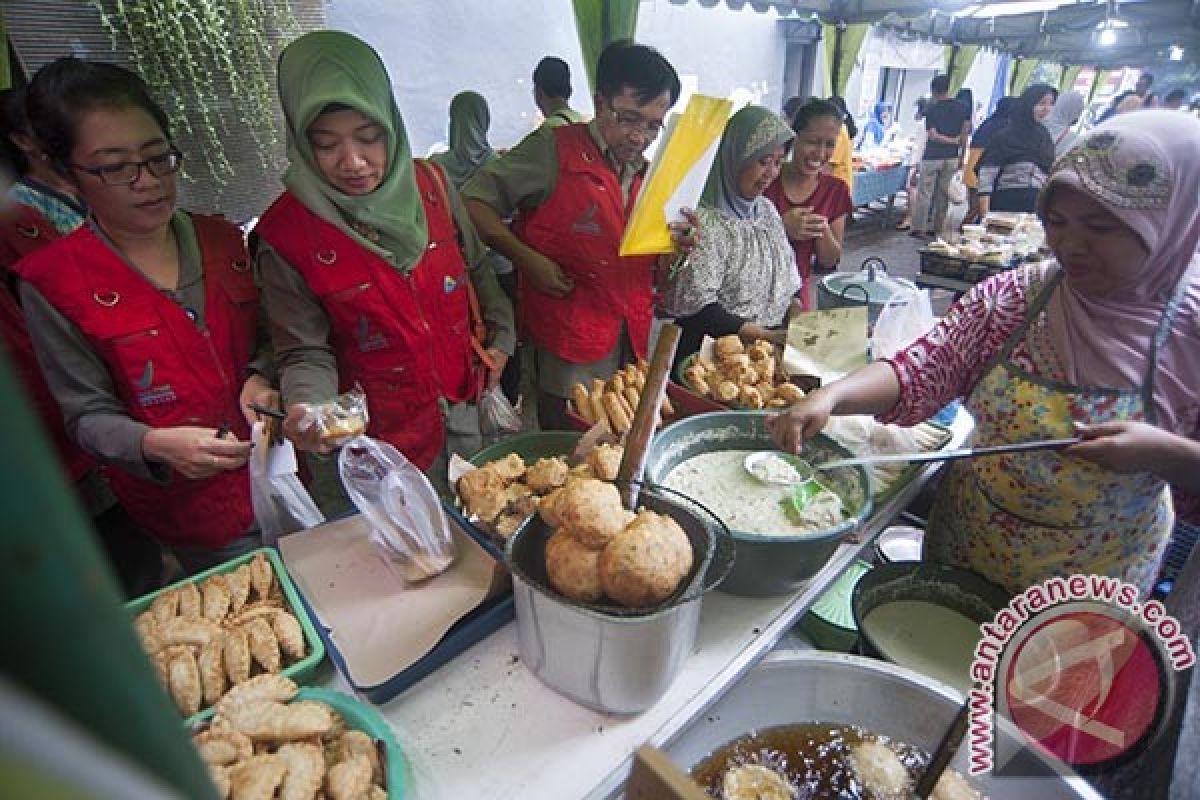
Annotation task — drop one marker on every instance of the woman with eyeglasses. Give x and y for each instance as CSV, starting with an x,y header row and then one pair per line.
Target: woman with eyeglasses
x,y
145,318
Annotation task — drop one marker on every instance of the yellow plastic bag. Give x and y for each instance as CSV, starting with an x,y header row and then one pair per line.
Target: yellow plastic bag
x,y
676,178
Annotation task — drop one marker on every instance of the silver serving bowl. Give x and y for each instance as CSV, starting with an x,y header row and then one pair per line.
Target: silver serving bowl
x,y
766,564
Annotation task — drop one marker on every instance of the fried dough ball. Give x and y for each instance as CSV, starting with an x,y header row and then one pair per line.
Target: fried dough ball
x,y
749,397
580,471
509,468
727,391
646,562
880,770
573,570
548,509
507,524
547,474
760,350
521,500
592,510
953,786
755,782
483,493
605,461
735,364
728,346
789,393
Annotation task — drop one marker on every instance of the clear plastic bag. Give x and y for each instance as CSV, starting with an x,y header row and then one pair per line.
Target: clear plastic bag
x,y
907,317
339,420
409,527
281,503
497,416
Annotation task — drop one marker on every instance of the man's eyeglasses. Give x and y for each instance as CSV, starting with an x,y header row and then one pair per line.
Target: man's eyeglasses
x,y
127,172
633,122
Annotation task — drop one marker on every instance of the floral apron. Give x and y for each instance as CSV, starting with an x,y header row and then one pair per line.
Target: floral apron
x,y
1020,518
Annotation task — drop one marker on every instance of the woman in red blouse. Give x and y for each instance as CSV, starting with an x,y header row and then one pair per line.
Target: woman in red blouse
x,y
813,203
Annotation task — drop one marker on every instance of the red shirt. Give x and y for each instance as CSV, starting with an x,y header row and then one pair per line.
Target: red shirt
x,y
831,199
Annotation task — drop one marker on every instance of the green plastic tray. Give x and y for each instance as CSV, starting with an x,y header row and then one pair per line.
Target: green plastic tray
x,y
367,719
530,447
300,671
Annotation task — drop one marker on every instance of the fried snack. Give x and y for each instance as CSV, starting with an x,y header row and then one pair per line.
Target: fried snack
x,y
338,725
238,583
305,770
583,406
727,391
547,474
645,564
953,786
264,647
220,779
520,500
605,461
879,769
697,377
777,402
289,634
619,420
667,408
573,569
277,722
165,606
548,509
259,689
146,627
237,656
599,412
766,369
506,524
264,610
760,350
349,779
189,601
580,472
183,681
592,510
354,743
261,575
755,782
749,397
222,748
376,793
216,599
728,346
632,397
510,468
789,393
195,632
257,777
766,391
212,669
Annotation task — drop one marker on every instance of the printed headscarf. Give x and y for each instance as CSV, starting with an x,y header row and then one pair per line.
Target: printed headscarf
x,y
1143,167
469,148
331,67
749,134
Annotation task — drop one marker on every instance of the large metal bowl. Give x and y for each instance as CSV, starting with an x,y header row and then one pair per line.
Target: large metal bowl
x,y
790,688
766,564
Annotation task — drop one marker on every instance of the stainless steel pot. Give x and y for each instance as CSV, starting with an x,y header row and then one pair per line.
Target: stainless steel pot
x,y
607,658
797,687
766,564
871,286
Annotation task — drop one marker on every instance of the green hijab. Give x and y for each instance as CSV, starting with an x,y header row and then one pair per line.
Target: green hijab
x,y
327,67
749,135
469,148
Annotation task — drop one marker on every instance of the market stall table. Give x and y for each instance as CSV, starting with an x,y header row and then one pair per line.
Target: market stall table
x,y
484,727
880,184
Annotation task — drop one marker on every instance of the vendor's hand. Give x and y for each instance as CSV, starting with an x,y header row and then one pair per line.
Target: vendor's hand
x,y
1122,446
750,333
301,429
256,390
499,361
546,276
686,235
792,428
195,453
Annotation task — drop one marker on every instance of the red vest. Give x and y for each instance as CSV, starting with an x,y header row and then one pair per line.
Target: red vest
x,y
166,370
579,227
24,230
404,338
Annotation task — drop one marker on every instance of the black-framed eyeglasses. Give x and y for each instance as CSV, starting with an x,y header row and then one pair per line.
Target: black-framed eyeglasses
x,y
633,122
127,172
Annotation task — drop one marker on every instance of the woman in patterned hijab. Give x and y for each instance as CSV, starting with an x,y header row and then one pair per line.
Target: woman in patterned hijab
x,y
741,277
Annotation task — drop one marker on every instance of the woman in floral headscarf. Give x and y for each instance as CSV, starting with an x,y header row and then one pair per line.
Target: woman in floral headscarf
x,y
1103,342
741,277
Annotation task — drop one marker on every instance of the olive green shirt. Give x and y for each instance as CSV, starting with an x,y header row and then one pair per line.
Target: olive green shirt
x,y
562,116
300,329
525,177
95,415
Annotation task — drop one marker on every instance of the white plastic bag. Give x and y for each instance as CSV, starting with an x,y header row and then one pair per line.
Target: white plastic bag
x,y
409,527
281,503
497,417
957,190
907,317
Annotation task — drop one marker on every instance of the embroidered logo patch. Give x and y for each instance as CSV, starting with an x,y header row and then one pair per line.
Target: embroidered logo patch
x,y
147,375
449,284
586,224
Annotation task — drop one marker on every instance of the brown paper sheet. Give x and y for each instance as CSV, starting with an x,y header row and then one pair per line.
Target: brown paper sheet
x,y
380,625
828,343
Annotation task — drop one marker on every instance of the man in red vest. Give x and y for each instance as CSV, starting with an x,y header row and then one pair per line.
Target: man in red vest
x,y
570,190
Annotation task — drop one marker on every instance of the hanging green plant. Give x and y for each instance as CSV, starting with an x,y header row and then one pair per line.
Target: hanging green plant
x,y
211,63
